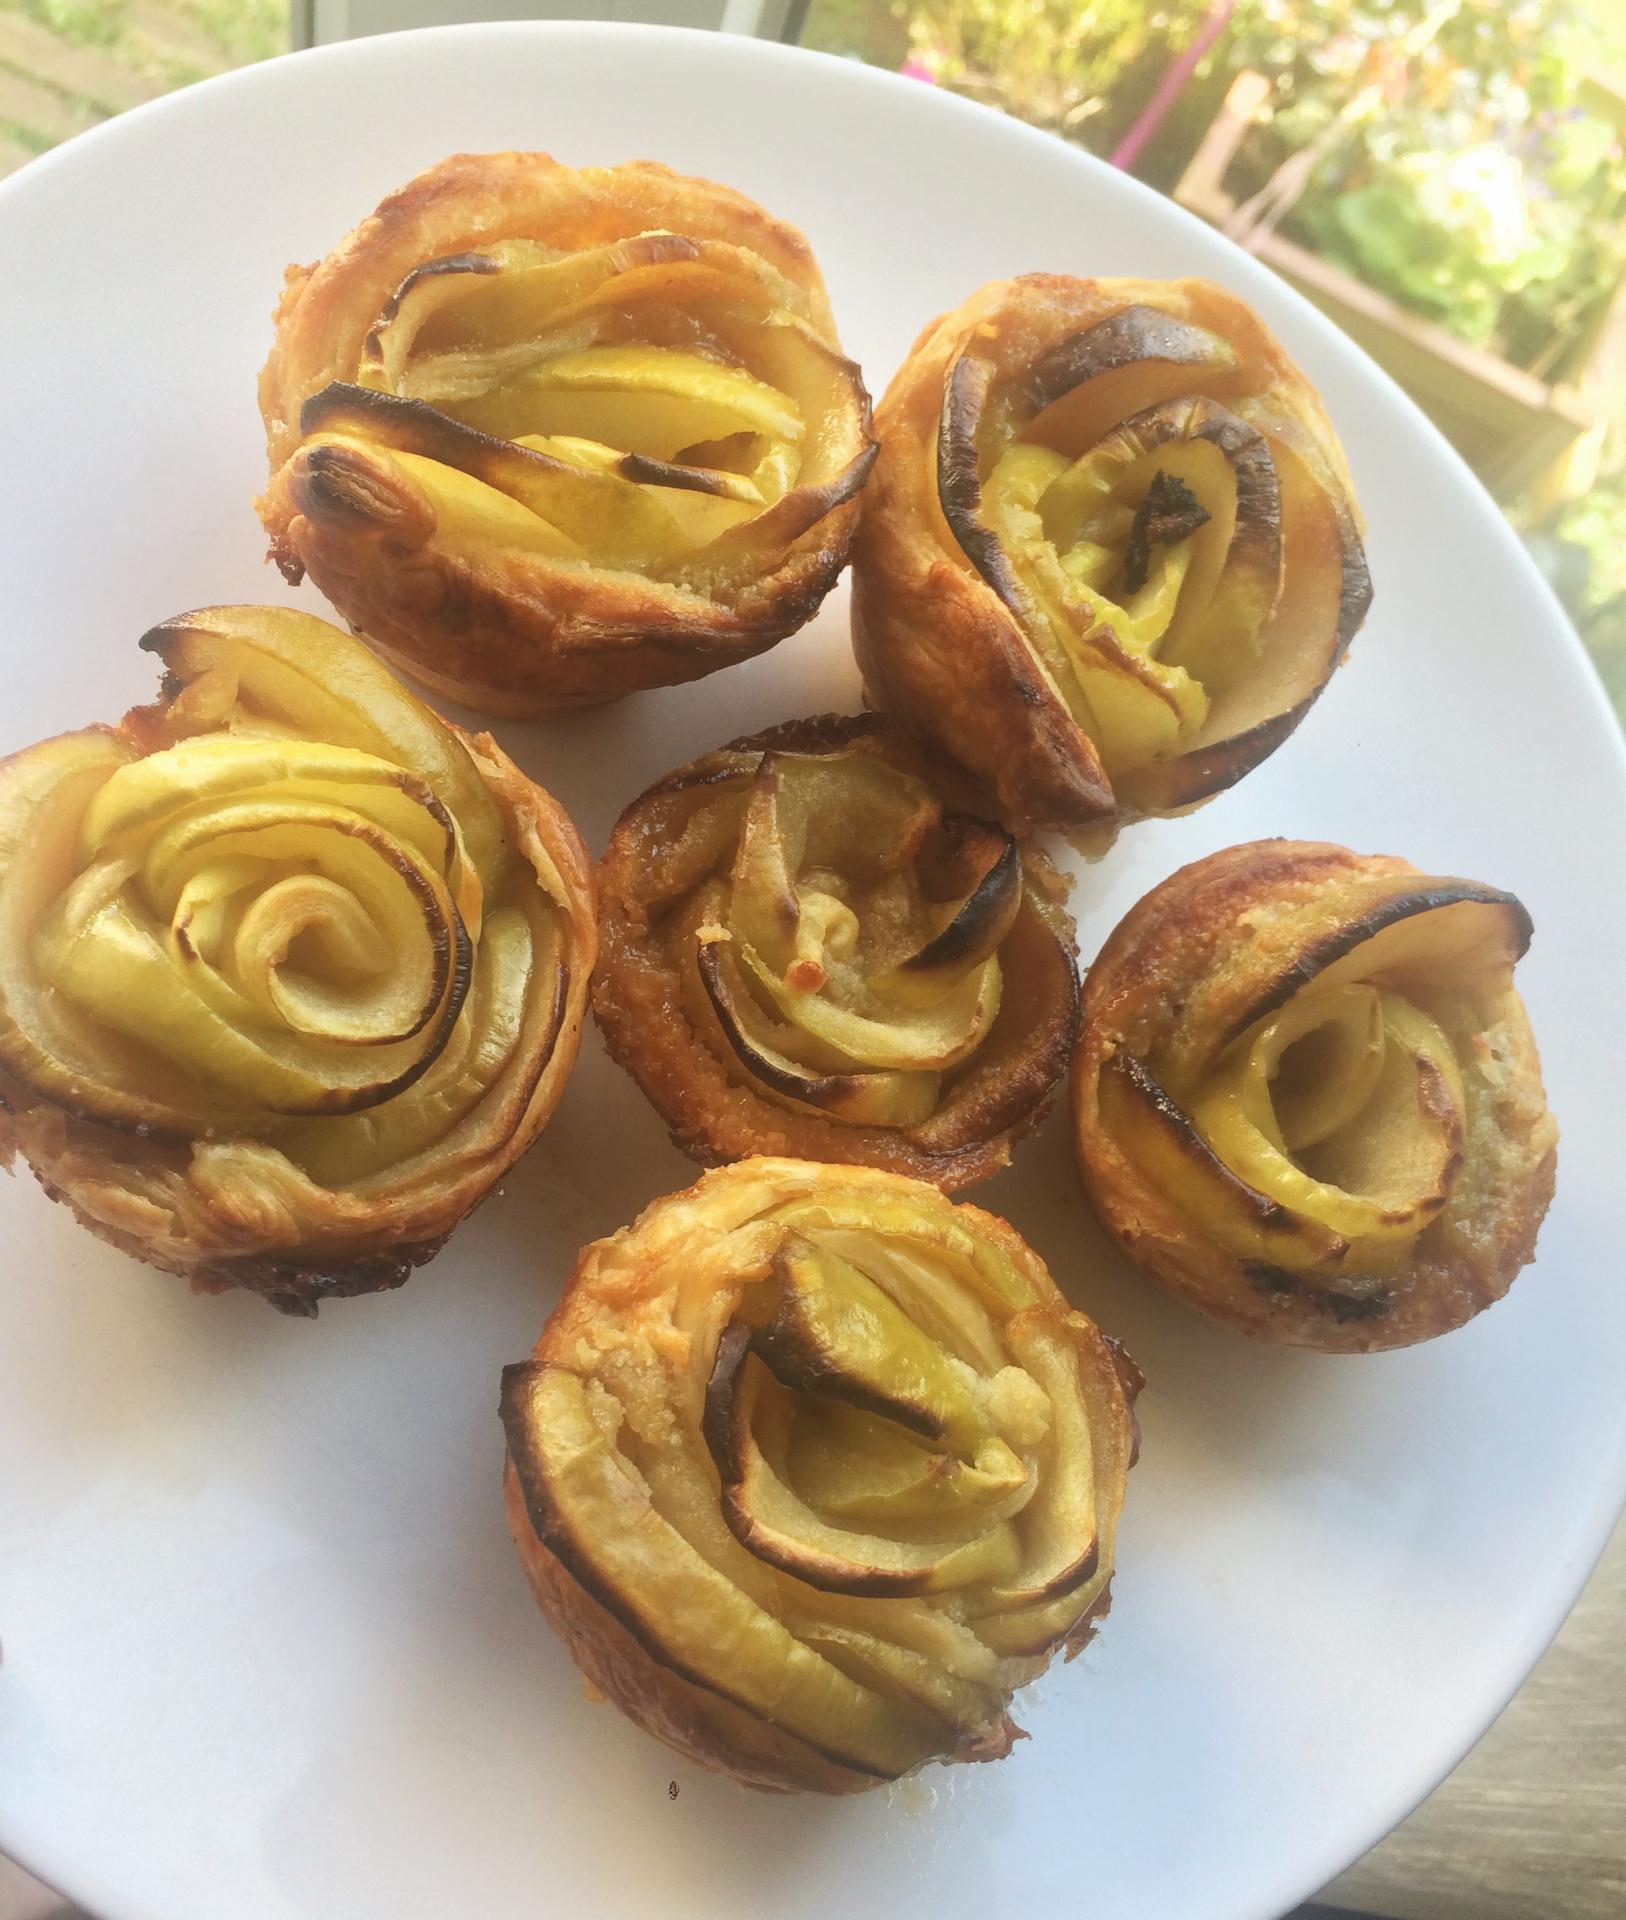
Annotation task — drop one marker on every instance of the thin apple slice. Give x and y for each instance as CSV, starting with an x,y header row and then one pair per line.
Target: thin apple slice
x,y
519,947
1316,1065
1167,1144
878,1098
1135,358
1388,1167
496,296
747,1426
973,928
1408,937
835,1332
1132,705
199,772
817,813
1061,1546
947,1281
852,1466
931,1038
282,665
652,401
47,1042
1234,575
592,1514
102,948
900,1673
585,504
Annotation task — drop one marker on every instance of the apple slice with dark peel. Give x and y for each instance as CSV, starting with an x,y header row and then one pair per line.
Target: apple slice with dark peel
x,y
387,344
835,1332
665,473
1135,358
1167,786
746,1425
602,509
1388,1163
463,305
981,921
281,664
1061,1546
885,1097
1164,1141
1437,929
596,1519
959,479
900,1673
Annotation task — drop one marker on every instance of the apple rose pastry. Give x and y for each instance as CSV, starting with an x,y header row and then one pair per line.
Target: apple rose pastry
x,y
807,951
1109,554
291,972
1307,1096
811,1469
548,436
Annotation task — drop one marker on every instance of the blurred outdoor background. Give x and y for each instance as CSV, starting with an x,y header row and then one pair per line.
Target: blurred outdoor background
x,y
1447,179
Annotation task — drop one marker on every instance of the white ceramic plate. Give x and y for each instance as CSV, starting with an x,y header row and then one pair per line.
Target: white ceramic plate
x,y
268,1651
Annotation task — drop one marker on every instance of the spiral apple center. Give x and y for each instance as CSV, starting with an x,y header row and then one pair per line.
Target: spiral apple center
x,y
1347,1106
1152,559
871,1443
849,959
290,924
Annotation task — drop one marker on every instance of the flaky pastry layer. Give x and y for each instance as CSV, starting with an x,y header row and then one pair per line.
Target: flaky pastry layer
x,y
1307,1098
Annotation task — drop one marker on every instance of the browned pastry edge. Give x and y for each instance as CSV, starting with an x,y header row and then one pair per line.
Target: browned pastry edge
x,y
293,1286
715,1119
692,1719
602,634
1161,944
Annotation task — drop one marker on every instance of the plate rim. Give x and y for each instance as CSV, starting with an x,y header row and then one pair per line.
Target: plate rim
x,y
1561,1592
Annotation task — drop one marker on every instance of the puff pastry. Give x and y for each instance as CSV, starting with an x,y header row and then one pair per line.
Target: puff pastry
x,y
548,436
1110,551
811,1469
808,950
1307,1096
291,971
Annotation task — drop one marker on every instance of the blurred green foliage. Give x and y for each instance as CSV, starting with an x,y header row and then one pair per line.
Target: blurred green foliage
x,y
1475,175
1592,527
97,23
244,30
1080,70
1476,186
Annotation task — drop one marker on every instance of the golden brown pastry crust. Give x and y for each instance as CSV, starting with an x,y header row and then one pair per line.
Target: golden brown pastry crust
x,y
635,1351
503,628
1217,951
696,1721
224,1209
944,626
719,1112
